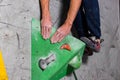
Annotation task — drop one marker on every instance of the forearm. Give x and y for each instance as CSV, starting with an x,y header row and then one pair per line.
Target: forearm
x,y
45,8
72,12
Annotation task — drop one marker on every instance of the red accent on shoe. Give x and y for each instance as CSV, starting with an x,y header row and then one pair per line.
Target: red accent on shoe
x,y
97,46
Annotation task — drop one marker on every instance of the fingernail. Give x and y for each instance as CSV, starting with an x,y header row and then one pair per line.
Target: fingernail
x,y
44,37
52,42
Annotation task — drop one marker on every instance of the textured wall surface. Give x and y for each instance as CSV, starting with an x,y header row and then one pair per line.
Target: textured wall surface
x,y
15,30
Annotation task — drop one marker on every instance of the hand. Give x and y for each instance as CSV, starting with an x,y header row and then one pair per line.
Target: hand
x,y
46,27
59,35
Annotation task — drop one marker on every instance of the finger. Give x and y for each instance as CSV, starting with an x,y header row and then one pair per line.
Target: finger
x,y
61,38
44,32
41,30
53,39
49,31
58,36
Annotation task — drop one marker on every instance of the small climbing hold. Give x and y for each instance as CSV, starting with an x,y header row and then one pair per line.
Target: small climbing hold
x,y
66,46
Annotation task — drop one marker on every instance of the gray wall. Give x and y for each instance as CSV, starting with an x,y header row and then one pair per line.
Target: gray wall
x,y
15,30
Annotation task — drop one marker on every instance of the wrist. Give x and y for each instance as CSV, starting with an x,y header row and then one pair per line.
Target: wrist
x,y
68,23
46,15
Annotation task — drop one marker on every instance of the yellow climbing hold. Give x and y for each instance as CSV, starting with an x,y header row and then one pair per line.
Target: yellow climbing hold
x,y
3,73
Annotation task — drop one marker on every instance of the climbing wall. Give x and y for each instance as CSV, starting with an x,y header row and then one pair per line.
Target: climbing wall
x,y
15,39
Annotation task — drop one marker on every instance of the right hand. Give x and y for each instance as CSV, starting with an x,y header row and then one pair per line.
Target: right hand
x,y
46,27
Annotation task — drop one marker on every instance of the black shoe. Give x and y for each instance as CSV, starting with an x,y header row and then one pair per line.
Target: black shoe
x,y
88,51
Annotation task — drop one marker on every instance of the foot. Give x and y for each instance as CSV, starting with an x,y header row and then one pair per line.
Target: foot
x,y
97,45
92,44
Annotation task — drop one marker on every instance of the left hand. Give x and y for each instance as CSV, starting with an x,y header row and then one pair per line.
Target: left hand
x,y
62,32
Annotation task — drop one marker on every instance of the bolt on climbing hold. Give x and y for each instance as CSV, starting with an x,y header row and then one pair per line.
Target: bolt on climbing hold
x,y
43,63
